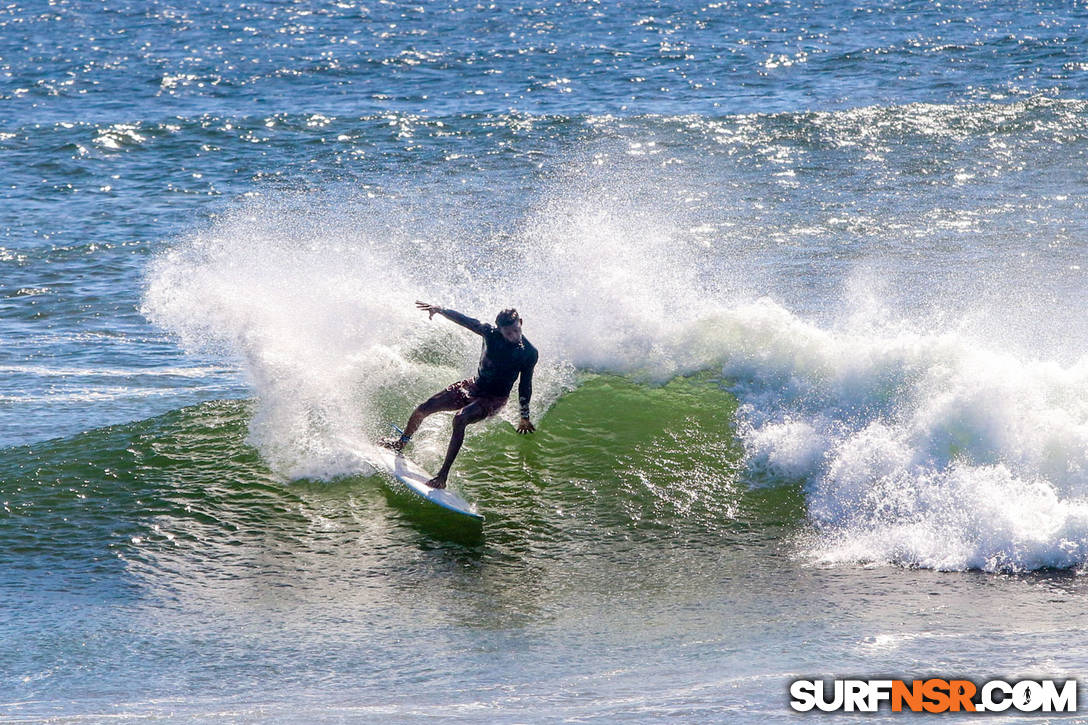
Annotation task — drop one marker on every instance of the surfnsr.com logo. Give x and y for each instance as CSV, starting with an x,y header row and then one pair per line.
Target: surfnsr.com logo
x,y
933,695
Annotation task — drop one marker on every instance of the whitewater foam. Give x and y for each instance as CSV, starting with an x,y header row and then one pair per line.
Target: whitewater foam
x,y
917,448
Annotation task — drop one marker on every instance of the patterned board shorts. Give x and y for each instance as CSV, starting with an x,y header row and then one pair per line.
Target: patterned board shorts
x,y
464,392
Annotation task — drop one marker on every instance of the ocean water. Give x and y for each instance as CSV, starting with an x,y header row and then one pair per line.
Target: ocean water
x,y
809,285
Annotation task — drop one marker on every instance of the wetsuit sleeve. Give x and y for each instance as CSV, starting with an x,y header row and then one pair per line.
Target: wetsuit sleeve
x,y
465,321
525,387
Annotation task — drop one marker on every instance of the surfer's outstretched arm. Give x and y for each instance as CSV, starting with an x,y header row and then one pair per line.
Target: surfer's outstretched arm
x,y
463,320
525,393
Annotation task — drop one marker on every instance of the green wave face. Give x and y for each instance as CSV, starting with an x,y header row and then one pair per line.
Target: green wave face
x,y
619,475
130,551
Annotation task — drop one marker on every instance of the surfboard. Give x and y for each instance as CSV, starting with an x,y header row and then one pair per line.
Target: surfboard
x,y
415,480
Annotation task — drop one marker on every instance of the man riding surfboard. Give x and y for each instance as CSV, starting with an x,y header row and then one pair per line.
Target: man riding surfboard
x,y
506,355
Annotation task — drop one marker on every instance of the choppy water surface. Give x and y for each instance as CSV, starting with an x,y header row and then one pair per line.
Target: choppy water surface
x,y
808,284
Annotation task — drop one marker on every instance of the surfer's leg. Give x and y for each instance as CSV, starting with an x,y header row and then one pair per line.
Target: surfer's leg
x,y
452,398
472,413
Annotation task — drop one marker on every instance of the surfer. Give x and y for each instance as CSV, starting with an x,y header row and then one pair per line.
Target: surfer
x,y
506,354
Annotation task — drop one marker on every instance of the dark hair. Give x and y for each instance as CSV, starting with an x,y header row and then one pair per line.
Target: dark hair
x,y
507,318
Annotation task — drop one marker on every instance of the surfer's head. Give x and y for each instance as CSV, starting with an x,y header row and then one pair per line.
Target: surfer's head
x,y
509,324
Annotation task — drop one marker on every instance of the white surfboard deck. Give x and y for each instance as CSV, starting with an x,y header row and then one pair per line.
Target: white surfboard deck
x,y
415,480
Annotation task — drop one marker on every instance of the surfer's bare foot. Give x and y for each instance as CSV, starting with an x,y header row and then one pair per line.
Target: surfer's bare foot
x,y
393,444
437,482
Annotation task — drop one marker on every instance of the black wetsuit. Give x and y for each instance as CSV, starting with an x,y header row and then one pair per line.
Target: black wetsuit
x,y
501,361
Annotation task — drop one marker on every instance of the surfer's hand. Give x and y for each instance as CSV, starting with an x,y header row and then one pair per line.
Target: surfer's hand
x,y
431,310
525,426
